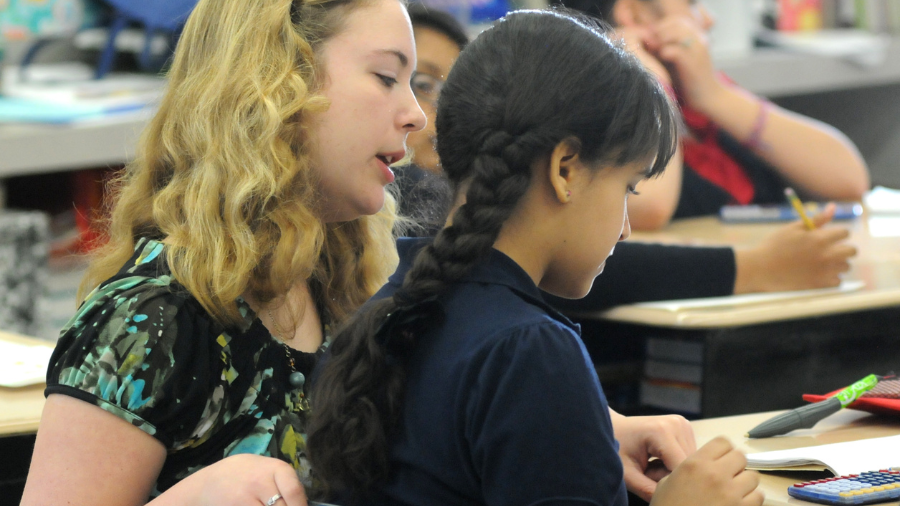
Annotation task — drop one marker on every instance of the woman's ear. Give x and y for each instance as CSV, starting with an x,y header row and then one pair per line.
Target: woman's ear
x,y
564,168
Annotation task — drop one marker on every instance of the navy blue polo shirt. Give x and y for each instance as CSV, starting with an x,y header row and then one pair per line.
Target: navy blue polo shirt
x,y
503,406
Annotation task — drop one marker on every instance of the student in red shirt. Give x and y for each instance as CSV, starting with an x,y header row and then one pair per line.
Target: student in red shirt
x,y
738,148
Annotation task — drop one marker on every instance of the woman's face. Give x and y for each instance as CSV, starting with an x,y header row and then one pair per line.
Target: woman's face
x,y
368,66
437,53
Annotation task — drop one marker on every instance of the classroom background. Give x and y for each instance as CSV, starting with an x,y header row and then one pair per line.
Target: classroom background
x,y
63,133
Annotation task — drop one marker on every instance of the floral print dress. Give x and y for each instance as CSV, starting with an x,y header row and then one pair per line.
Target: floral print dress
x,y
142,348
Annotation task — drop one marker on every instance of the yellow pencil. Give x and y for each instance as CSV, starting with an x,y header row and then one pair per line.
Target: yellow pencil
x,y
798,206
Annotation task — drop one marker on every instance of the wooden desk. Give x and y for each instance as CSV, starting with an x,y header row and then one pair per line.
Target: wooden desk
x,y
878,265
847,425
20,408
763,357
20,414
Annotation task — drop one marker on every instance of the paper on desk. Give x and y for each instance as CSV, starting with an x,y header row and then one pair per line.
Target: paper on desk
x,y
852,457
882,200
22,364
747,299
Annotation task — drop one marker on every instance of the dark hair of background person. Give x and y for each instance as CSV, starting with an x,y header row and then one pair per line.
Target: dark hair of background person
x,y
440,21
532,81
425,197
600,9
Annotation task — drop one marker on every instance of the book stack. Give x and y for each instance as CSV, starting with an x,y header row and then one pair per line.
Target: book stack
x,y
67,93
673,372
859,31
879,16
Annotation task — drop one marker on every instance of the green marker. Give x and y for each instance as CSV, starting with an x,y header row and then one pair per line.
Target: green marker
x,y
807,416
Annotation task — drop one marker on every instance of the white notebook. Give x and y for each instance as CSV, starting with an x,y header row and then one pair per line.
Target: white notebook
x,y
23,364
851,457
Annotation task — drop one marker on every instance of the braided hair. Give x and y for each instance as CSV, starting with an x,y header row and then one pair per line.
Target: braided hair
x,y
533,80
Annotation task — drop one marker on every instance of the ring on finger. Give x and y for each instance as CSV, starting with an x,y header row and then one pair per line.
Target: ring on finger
x,y
274,499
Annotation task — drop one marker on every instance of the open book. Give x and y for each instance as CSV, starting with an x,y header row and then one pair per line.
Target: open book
x,y
852,457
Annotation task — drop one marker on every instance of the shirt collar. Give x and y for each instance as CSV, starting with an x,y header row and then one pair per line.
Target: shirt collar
x,y
497,269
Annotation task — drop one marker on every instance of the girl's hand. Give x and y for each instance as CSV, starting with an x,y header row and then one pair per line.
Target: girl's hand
x,y
794,258
714,476
239,480
635,38
669,439
683,47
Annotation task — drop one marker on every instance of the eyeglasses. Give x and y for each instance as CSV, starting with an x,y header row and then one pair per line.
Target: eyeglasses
x,y
426,87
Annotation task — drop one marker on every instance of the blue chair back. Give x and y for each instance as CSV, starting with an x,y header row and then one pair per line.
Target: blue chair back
x,y
166,16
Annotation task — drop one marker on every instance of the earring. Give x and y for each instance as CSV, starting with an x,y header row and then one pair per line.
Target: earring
x,y
568,194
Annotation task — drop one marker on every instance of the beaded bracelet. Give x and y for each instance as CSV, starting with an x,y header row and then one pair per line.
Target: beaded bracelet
x,y
754,142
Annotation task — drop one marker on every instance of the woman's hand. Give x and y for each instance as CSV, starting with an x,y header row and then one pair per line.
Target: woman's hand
x,y
669,439
239,480
794,258
713,476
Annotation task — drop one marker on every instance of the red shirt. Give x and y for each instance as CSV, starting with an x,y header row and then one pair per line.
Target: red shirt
x,y
705,156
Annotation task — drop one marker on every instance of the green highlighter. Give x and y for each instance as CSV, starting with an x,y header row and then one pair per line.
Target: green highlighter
x,y
809,415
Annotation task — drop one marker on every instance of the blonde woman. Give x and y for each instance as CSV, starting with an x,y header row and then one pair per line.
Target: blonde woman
x,y
254,217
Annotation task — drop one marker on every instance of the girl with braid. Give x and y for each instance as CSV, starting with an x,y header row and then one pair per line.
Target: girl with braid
x,y
461,386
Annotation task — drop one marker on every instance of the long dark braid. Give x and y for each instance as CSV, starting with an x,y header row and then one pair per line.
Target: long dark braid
x,y
532,81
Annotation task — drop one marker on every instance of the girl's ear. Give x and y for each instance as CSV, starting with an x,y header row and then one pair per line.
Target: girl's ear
x,y
564,168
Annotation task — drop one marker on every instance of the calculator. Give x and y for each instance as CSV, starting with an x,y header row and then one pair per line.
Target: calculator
x,y
865,488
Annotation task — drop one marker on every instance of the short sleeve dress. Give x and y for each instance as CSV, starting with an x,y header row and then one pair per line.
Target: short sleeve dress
x,y
142,348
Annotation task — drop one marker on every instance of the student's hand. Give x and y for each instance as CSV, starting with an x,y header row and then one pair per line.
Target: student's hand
x,y
713,476
794,258
635,38
239,480
669,439
684,49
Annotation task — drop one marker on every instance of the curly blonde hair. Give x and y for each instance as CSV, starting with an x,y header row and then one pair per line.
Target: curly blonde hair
x,y
223,171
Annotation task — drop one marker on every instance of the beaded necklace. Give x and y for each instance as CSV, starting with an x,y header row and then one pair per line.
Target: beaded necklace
x,y
297,378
